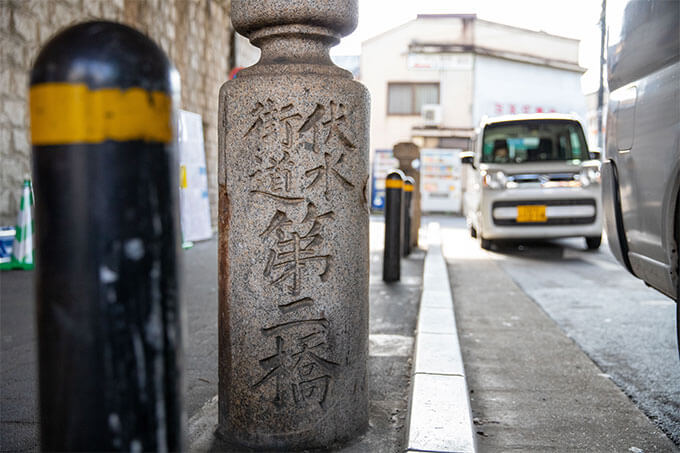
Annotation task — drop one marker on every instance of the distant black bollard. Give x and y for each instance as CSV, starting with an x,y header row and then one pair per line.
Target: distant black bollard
x,y
107,296
409,183
394,184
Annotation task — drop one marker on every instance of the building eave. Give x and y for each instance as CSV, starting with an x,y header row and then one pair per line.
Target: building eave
x,y
441,132
451,48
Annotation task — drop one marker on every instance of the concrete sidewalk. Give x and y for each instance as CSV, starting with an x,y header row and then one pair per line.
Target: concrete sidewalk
x,y
532,387
393,316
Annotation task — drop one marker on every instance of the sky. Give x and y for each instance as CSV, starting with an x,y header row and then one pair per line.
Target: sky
x,y
571,18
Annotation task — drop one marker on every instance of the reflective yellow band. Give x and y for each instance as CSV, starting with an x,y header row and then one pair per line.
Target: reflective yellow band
x,y
393,184
408,187
63,113
183,177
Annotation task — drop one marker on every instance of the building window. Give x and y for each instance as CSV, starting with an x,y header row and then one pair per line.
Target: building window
x,y
408,98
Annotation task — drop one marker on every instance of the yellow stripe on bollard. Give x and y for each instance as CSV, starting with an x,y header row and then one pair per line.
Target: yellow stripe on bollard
x,y
393,184
183,177
65,113
408,187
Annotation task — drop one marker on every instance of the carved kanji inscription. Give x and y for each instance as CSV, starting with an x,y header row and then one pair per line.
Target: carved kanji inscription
x,y
294,248
284,133
298,368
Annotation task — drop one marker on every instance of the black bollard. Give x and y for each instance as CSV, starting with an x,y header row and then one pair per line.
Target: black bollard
x,y
393,225
409,183
108,309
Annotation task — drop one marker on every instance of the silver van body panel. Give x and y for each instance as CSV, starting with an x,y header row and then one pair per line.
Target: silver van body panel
x,y
642,38
643,137
611,214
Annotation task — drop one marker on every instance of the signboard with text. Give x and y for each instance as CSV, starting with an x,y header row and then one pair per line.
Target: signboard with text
x,y
193,179
440,180
439,61
383,162
504,87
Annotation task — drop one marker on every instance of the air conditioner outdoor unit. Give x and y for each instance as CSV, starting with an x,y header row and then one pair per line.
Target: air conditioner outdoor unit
x,y
432,115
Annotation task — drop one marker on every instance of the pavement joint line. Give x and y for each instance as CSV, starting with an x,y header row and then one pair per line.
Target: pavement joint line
x,y
432,333
425,451
434,424
440,374
202,426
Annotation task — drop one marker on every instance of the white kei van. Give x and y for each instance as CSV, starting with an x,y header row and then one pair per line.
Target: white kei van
x,y
533,177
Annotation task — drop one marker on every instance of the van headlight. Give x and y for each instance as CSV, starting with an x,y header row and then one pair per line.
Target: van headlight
x,y
494,179
589,175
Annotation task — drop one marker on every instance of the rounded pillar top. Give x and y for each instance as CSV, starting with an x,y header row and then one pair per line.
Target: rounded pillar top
x,y
103,54
406,151
396,175
338,16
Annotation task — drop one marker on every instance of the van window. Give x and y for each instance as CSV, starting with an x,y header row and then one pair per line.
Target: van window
x,y
534,141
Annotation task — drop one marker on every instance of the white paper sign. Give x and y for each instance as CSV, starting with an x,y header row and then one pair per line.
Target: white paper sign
x,y
194,203
440,180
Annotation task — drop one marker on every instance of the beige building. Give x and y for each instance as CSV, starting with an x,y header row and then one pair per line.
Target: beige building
x,y
463,68
196,35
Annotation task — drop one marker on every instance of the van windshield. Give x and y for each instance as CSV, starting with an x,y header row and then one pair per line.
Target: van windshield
x,y
516,142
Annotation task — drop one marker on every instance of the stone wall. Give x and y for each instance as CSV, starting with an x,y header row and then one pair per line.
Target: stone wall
x,y
196,34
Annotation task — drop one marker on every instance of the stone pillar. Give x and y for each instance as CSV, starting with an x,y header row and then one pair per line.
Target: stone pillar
x,y
293,239
406,153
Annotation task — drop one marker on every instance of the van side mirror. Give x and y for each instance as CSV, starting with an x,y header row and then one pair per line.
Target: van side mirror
x,y
595,154
467,157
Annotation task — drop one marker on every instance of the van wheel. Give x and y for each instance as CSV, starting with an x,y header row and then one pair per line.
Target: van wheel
x,y
485,243
473,232
593,242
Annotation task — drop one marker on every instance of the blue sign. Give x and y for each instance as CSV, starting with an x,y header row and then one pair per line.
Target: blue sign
x,y
383,162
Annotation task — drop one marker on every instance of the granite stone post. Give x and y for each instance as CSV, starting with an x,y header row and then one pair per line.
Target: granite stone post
x,y
293,233
406,153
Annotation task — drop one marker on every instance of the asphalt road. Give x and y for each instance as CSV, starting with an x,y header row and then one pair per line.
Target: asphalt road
x,y
624,328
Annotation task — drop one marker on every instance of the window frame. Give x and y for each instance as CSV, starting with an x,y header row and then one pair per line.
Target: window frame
x,y
412,86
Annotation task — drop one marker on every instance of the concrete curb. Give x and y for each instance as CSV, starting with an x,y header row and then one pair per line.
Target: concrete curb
x,y
439,417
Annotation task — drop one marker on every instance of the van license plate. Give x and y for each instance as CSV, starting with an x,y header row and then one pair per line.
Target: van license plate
x,y
531,214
